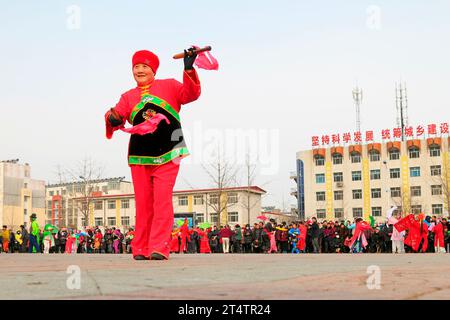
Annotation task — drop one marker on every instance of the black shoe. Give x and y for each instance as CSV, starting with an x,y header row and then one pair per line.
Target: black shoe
x,y
157,256
141,257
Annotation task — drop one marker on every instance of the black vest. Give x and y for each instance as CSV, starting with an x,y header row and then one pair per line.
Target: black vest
x,y
164,144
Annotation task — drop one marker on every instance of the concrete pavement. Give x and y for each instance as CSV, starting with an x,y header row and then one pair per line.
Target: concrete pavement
x,y
231,276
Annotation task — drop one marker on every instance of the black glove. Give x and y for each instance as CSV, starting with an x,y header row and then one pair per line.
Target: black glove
x,y
114,118
189,58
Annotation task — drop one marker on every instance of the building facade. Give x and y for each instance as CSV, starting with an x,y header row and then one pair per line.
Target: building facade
x,y
101,202
110,202
20,195
359,180
239,205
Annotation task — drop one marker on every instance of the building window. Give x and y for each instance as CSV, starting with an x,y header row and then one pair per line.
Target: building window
x,y
98,205
320,161
394,173
375,174
51,193
355,157
416,191
414,172
414,153
396,192
78,189
320,196
232,198
435,151
339,213
198,200
338,177
125,221
376,211
233,217
49,204
213,217
374,156
337,158
338,195
111,221
376,193
320,178
105,189
357,212
63,192
356,175
98,222
182,200
214,199
416,209
111,204
83,221
437,208
436,190
321,214
125,204
435,170
394,154
357,194
199,218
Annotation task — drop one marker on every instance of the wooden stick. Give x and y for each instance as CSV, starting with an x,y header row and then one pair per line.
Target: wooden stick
x,y
181,55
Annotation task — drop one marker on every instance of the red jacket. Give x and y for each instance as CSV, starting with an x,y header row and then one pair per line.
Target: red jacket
x,y
225,233
170,90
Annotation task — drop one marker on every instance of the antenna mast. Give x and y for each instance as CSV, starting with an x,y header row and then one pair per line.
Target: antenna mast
x,y
357,98
401,102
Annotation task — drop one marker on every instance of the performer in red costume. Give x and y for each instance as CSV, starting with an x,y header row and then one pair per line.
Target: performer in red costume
x,y
438,230
155,157
417,234
204,240
301,244
184,230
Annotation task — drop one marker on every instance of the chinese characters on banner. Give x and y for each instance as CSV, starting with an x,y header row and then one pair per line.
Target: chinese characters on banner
x,y
410,132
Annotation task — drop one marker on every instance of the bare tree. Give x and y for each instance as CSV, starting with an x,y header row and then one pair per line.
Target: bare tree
x,y
81,182
250,176
222,173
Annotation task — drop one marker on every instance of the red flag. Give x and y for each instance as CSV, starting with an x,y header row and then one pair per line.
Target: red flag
x,y
404,223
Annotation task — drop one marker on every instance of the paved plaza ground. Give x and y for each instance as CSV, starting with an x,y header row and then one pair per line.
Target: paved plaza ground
x,y
220,276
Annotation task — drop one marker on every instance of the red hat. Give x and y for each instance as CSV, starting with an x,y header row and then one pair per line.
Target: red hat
x,y
146,57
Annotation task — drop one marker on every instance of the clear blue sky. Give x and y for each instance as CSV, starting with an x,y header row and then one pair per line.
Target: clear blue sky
x,y
287,66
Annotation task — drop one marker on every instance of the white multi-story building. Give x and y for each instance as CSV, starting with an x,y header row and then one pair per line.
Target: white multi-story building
x,y
344,182
20,195
102,202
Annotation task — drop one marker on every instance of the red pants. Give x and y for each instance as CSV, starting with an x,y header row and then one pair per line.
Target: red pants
x,y
153,187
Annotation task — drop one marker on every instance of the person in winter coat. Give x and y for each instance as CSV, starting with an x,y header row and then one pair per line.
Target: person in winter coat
x,y
237,239
225,234
257,241
248,238
283,238
214,240
315,232
192,241
25,239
